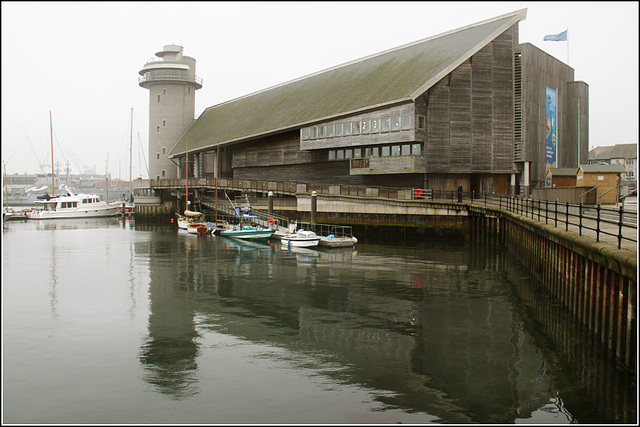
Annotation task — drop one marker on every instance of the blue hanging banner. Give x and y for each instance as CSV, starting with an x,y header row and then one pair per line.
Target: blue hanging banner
x,y
551,127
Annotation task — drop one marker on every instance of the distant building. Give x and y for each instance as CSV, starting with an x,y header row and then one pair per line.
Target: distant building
x,y
620,154
606,177
561,177
471,105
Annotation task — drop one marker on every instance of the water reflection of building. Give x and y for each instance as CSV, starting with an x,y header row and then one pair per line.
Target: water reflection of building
x,y
428,331
169,354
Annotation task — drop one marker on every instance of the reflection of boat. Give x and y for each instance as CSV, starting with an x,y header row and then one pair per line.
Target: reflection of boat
x,y
300,239
247,232
197,228
248,245
71,205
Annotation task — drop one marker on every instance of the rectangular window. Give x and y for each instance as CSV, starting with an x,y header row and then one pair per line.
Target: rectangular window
x,y
164,123
338,129
420,122
330,131
348,154
395,123
385,124
375,152
164,150
85,201
332,154
406,122
367,152
357,153
163,173
346,128
339,154
157,156
395,150
158,128
416,149
365,126
164,91
385,151
355,128
322,131
305,133
375,125
406,150
158,97
314,132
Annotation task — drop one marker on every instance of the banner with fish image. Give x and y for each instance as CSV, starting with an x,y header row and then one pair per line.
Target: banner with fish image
x,y
551,128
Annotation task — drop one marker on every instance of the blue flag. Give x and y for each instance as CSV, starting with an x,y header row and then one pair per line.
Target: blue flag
x,y
560,37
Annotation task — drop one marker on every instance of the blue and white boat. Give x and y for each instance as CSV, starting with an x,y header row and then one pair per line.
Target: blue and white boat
x,y
245,232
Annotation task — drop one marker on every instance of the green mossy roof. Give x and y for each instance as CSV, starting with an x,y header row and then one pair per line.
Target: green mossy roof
x,y
384,79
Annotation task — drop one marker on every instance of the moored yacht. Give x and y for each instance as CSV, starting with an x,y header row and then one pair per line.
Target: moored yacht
x,y
72,205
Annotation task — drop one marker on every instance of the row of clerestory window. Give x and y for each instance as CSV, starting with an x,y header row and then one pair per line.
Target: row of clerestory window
x,y
360,127
414,149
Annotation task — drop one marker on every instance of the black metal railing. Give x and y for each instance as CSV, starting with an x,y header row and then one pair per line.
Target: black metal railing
x,y
572,216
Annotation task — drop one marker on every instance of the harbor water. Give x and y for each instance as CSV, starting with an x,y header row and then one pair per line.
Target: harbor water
x,y
117,321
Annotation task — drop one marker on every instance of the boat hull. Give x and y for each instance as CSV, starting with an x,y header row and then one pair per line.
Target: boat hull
x,y
74,213
337,242
247,234
300,242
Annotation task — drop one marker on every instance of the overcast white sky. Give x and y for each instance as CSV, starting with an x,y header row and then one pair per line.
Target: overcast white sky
x,y
81,61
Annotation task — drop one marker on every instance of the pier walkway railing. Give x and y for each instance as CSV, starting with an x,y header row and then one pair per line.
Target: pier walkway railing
x,y
596,221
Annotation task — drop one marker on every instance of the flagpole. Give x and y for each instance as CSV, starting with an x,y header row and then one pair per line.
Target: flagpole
x,y
578,132
567,45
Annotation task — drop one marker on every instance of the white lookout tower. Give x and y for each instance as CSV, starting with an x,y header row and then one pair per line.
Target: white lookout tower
x,y
172,84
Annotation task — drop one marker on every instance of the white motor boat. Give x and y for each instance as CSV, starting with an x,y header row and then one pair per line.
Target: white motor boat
x,y
71,205
300,239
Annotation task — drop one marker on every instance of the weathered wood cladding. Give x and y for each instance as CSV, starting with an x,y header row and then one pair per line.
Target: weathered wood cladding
x,y
539,71
362,139
470,113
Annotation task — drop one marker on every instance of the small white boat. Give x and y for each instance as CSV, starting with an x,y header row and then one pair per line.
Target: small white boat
x,y
190,217
11,214
332,241
301,239
70,205
197,228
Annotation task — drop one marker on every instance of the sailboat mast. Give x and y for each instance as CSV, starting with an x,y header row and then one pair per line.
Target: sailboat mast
x,y
131,157
217,174
6,188
186,176
53,182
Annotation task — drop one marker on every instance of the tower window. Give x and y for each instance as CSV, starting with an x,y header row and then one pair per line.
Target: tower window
x,y
157,156
163,173
164,150
164,123
164,91
158,128
158,97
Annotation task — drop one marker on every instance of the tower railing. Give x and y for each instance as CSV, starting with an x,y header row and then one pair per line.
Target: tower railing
x,y
168,75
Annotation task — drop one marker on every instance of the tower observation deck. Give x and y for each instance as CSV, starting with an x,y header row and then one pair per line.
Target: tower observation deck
x,y
172,82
